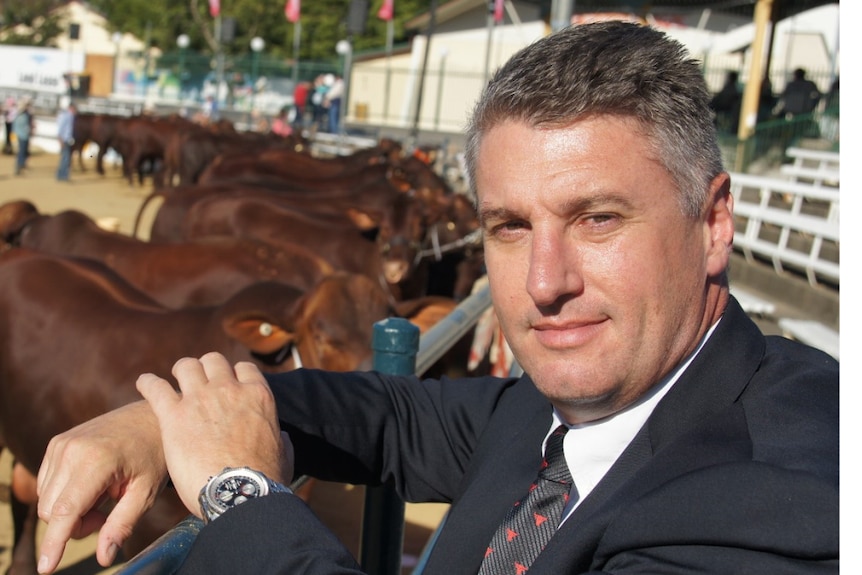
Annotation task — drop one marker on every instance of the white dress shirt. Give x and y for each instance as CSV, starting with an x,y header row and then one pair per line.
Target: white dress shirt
x,y
592,448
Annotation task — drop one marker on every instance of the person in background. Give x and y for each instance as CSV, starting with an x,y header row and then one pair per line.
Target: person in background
x,y
800,96
259,123
209,110
318,111
829,121
9,111
766,101
281,125
662,430
332,102
726,104
22,126
798,102
65,133
833,97
300,98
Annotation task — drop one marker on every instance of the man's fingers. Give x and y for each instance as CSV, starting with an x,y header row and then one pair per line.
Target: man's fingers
x,y
157,391
190,374
248,372
64,524
119,524
217,367
53,545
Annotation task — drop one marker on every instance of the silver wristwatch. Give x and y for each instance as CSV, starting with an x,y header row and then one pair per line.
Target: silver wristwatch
x,y
235,485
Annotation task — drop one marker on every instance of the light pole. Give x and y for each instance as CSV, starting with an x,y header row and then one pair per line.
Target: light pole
x,y
344,48
444,51
257,45
183,44
116,38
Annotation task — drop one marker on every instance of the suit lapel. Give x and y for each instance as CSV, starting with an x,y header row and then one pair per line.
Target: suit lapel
x,y
709,385
506,463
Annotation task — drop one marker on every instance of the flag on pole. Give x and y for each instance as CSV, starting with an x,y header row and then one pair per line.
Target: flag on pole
x,y
386,10
498,11
291,10
215,8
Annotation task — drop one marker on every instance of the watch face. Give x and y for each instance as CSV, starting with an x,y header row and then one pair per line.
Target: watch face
x,y
233,487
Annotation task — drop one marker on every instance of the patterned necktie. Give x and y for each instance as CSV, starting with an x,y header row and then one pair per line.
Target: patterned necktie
x,y
533,520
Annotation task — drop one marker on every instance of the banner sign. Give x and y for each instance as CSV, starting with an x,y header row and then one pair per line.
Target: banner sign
x,y
38,69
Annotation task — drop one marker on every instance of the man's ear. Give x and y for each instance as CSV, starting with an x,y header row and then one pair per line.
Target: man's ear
x,y
718,225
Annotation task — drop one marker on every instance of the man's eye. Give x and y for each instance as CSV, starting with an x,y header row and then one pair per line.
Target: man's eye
x,y
596,219
507,227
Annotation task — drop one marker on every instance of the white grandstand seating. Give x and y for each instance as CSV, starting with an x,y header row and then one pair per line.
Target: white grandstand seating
x,y
812,333
819,159
752,304
803,205
820,176
787,223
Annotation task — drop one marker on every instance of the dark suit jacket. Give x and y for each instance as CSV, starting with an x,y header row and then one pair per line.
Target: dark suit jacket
x,y
736,470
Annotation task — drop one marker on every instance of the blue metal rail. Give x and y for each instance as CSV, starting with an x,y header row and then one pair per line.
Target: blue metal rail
x,y
398,349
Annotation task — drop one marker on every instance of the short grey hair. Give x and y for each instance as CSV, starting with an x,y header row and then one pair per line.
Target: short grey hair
x,y
615,68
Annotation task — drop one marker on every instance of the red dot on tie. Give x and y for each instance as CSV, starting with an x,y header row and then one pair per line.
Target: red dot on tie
x,y
519,569
539,519
510,534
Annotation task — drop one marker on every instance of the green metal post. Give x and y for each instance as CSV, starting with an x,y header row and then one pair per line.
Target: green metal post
x,y
395,343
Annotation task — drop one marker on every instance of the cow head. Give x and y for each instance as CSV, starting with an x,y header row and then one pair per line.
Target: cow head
x,y
329,327
334,322
399,231
14,217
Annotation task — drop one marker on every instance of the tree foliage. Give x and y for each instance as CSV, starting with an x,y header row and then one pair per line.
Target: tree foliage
x,y
323,24
30,22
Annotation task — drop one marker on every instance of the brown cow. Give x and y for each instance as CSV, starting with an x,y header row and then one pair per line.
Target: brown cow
x,y
141,140
453,258
377,243
14,216
102,334
177,275
189,151
336,238
290,163
100,129
372,187
399,218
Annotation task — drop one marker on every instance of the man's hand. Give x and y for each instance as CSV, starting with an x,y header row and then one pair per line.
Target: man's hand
x,y
116,456
223,417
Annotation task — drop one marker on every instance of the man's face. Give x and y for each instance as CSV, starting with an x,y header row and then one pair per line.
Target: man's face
x,y
601,284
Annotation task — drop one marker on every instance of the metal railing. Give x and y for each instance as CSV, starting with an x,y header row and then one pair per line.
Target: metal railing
x,y
398,349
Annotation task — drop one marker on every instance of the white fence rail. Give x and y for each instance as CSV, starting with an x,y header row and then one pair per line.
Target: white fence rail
x,y
793,225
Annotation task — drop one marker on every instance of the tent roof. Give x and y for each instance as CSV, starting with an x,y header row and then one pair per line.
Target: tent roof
x,y
782,9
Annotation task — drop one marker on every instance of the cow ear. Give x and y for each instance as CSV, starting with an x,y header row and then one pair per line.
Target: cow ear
x,y
258,335
425,312
363,220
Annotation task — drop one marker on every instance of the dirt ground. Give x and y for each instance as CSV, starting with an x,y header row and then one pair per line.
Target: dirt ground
x,y
110,198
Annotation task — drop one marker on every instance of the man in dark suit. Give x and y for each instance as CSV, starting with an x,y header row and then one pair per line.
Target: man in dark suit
x,y
692,443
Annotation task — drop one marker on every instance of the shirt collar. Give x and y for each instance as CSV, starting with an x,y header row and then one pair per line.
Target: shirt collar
x,y
592,448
